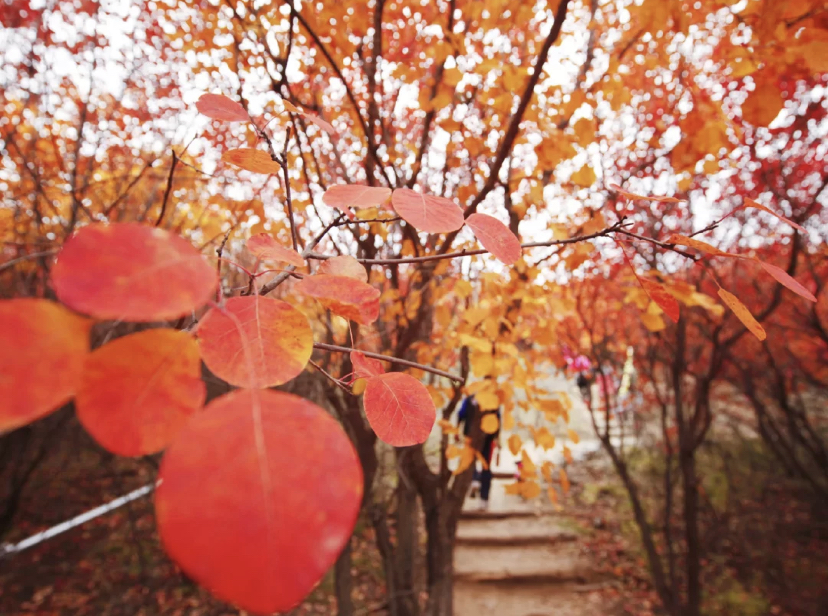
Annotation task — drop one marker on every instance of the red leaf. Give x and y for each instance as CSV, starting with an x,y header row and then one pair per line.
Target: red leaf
x,y
257,497
138,391
399,409
759,206
344,265
366,367
345,196
495,237
661,297
255,341
42,353
634,196
265,247
131,272
344,296
427,212
250,159
327,127
743,314
221,108
783,278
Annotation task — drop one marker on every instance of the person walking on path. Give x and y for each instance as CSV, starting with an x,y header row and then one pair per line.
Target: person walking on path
x,y
469,412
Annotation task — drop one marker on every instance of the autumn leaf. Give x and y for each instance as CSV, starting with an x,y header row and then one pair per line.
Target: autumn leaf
x,y
326,126
138,391
344,296
653,322
427,212
132,272
489,423
573,436
660,296
564,481
743,314
345,196
366,367
266,248
690,242
634,196
219,107
583,177
358,386
765,102
759,206
399,409
344,265
495,237
41,359
785,279
234,503
250,159
255,341
515,444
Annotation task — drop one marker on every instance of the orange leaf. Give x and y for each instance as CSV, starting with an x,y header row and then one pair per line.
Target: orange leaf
x,y
366,367
489,423
344,265
743,314
495,237
399,409
427,212
327,127
345,196
131,272
265,247
344,296
682,240
564,481
41,358
138,391
785,279
255,341
759,206
661,297
249,159
221,108
240,510
630,195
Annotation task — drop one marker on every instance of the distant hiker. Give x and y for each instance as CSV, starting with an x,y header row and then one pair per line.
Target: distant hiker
x,y
584,382
469,413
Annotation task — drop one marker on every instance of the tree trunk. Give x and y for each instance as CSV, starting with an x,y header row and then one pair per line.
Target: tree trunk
x,y
343,582
407,541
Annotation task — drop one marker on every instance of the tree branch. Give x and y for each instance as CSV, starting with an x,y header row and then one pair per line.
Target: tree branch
x,y
393,360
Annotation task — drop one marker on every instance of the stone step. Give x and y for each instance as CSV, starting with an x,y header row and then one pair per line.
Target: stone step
x,y
546,561
523,530
507,598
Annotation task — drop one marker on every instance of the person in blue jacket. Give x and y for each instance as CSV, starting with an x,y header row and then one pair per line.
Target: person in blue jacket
x,y
469,411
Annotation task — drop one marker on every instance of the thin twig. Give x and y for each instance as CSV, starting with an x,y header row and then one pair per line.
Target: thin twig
x,y
331,377
286,173
393,360
168,190
33,255
219,252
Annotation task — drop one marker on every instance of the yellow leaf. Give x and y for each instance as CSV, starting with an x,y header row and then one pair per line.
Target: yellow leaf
x,y
508,421
529,467
487,400
567,455
447,426
573,436
653,322
359,386
584,177
546,470
489,424
765,102
515,444
514,488
453,451
553,495
531,489
467,457
481,363
564,481
690,242
743,314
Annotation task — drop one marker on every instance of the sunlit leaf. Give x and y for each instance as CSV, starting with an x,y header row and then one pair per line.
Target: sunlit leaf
x,y
489,423
344,265
785,279
358,386
583,177
447,427
467,457
564,481
759,206
326,126
427,212
515,444
250,159
573,436
255,341
690,242
138,391
266,248
345,196
42,353
660,296
219,107
366,367
495,237
743,314
240,513
132,272
399,409
653,322
344,296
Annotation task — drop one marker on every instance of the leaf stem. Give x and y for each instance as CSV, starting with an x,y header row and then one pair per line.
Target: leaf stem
x,y
393,360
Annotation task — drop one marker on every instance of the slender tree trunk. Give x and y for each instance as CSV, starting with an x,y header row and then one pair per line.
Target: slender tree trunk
x,y
407,541
343,582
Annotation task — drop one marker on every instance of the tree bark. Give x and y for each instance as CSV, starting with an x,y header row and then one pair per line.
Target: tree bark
x,y
343,582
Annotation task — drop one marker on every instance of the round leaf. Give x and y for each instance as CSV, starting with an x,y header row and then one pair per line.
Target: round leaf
x,y
266,248
399,409
495,237
249,159
255,341
132,272
257,497
42,353
138,391
489,423
427,212
221,108
344,296
366,367
344,196
344,265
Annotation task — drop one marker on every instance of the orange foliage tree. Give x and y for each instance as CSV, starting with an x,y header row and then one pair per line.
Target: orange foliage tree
x,y
372,155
